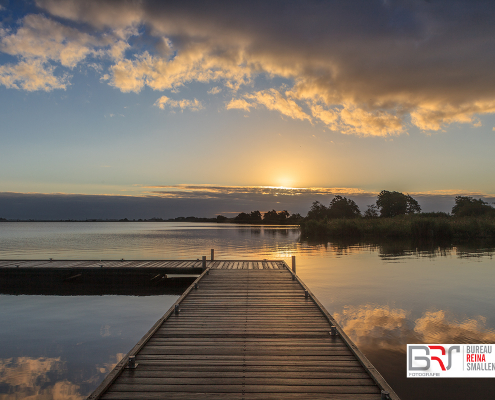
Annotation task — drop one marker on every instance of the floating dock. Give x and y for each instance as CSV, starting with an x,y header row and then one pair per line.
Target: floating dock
x,y
245,330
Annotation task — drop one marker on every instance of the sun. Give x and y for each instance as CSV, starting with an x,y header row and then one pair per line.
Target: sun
x,y
285,182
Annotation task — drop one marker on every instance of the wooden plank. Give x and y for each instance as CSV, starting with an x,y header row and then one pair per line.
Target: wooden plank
x,y
238,396
239,388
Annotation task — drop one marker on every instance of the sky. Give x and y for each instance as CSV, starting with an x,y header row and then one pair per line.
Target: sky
x,y
143,109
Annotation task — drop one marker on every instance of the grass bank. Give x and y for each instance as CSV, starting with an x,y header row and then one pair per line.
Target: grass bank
x,y
418,227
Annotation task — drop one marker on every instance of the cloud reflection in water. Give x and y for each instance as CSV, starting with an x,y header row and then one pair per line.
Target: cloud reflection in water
x,y
33,378
392,328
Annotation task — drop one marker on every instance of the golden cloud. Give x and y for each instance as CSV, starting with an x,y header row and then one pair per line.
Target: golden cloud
x,y
31,76
30,378
393,328
363,74
193,105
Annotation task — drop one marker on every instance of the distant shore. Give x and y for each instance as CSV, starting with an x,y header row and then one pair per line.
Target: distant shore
x,y
179,219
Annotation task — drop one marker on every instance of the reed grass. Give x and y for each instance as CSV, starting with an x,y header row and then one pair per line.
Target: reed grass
x,y
422,227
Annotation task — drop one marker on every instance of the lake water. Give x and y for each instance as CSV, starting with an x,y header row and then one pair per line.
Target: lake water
x,y
384,296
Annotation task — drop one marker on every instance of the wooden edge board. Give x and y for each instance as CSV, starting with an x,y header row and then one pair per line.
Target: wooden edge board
x,y
375,375
119,368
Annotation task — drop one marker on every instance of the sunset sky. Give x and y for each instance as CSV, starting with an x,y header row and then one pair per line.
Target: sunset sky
x,y
169,108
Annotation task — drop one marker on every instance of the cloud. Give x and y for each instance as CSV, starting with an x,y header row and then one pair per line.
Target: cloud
x,y
214,90
377,123
34,378
240,104
42,38
40,42
212,190
272,99
193,105
373,73
368,71
31,76
392,328
196,63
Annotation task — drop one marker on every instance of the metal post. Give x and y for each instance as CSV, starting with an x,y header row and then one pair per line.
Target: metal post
x,y
132,362
306,294
385,395
176,309
212,254
333,330
204,263
195,286
294,264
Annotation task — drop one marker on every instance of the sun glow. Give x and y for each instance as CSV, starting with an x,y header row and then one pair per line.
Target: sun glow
x,y
285,183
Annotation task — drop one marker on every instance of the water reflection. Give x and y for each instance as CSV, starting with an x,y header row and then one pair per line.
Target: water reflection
x,y
384,294
397,250
392,328
36,378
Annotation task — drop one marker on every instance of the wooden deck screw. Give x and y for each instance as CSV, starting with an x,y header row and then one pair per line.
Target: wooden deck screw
x,y
294,264
385,395
204,263
306,294
131,363
212,254
176,309
333,330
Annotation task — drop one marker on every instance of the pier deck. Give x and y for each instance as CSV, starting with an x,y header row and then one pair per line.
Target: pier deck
x,y
245,330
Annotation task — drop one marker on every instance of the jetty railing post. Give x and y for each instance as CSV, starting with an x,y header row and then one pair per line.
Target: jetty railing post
x,y
294,264
212,254
204,263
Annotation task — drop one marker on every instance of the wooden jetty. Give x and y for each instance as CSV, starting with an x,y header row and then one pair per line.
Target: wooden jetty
x,y
245,330
97,277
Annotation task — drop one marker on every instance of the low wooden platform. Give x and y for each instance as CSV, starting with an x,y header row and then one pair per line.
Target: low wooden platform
x,y
172,266
99,277
245,331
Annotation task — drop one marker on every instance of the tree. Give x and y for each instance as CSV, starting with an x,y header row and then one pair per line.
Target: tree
x,y
242,217
295,218
342,207
371,212
270,217
255,216
317,211
466,206
392,204
283,215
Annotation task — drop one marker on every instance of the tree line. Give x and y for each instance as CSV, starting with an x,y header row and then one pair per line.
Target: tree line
x,y
392,204
271,217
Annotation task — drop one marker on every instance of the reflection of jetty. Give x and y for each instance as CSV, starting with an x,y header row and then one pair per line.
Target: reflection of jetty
x,y
245,330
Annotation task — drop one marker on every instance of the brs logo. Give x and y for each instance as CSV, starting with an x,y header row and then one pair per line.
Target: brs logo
x,y
425,356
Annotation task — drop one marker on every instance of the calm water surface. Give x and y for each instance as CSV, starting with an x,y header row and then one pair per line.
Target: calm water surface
x,y
384,296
